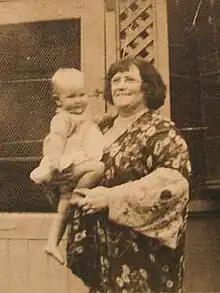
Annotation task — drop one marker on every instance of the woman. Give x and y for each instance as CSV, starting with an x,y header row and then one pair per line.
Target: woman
x,y
130,237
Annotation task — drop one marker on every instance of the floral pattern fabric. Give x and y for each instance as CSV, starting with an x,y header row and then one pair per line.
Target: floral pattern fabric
x,y
114,258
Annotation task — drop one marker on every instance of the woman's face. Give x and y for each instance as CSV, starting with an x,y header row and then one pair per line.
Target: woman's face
x,y
126,88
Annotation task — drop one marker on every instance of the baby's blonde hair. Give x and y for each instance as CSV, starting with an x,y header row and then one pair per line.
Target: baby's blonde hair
x,y
67,77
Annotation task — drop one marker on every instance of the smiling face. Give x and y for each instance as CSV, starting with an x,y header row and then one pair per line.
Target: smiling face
x,y
72,100
68,85
126,89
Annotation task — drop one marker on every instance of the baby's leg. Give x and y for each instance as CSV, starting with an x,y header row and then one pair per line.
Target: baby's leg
x,y
89,173
58,227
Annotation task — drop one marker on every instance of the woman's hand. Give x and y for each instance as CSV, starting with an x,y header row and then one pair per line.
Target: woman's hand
x,y
92,200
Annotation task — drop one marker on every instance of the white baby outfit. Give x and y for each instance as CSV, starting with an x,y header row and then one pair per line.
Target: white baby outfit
x,y
73,139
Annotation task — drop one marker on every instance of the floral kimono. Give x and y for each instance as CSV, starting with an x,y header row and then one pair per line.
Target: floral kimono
x,y
137,245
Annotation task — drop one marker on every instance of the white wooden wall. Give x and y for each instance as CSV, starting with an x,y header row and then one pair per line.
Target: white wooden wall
x,y
24,267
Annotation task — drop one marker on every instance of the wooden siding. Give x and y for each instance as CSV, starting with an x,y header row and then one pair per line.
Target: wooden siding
x,y
24,266
26,269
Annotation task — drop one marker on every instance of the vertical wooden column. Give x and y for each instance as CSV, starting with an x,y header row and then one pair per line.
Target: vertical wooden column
x,y
162,48
110,33
92,43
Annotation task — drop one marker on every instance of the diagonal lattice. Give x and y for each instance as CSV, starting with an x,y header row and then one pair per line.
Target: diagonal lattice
x,y
137,29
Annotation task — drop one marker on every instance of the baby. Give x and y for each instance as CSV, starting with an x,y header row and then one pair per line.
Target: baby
x,y
74,140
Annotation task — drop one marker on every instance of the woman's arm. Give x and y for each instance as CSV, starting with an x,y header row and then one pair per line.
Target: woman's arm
x,y
156,204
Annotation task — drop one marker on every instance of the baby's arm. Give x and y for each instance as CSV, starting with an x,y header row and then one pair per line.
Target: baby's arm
x,y
54,143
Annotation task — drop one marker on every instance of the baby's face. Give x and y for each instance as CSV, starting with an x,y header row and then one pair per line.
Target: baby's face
x,y
73,99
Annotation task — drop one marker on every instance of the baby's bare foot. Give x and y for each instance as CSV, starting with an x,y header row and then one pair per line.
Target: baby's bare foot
x,y
55,252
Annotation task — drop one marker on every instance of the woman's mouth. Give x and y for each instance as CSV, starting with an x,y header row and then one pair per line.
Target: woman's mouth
x,y
122,94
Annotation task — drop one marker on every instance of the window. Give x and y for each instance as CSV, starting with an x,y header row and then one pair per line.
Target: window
x,y
30,53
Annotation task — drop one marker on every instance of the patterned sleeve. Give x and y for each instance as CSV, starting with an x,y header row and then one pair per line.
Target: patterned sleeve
x,y
167,148
156,204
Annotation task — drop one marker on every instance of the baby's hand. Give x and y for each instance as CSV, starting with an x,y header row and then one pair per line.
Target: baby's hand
x,y
54,166
62,178
105,119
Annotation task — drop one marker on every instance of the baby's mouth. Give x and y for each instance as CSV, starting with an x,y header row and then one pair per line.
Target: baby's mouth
x,y
78,106
78,109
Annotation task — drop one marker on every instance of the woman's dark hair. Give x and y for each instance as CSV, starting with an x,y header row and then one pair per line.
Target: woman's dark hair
x,y
153,86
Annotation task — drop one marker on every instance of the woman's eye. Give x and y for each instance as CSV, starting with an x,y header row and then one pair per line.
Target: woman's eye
x,y
115,80
129,79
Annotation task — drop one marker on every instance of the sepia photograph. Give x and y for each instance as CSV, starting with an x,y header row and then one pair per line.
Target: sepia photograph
x,y
110,146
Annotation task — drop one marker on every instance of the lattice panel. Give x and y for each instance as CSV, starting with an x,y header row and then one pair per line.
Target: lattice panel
x,y
137,29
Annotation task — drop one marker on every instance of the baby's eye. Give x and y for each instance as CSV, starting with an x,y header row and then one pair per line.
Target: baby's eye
x,y
72,96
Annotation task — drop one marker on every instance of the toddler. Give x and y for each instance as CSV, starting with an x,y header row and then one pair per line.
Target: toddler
x,y
74,140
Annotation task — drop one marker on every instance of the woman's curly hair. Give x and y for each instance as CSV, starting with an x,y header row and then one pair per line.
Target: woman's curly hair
x,y
153,86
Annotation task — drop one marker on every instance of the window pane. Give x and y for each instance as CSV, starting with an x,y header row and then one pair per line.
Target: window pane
x,y
30,53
